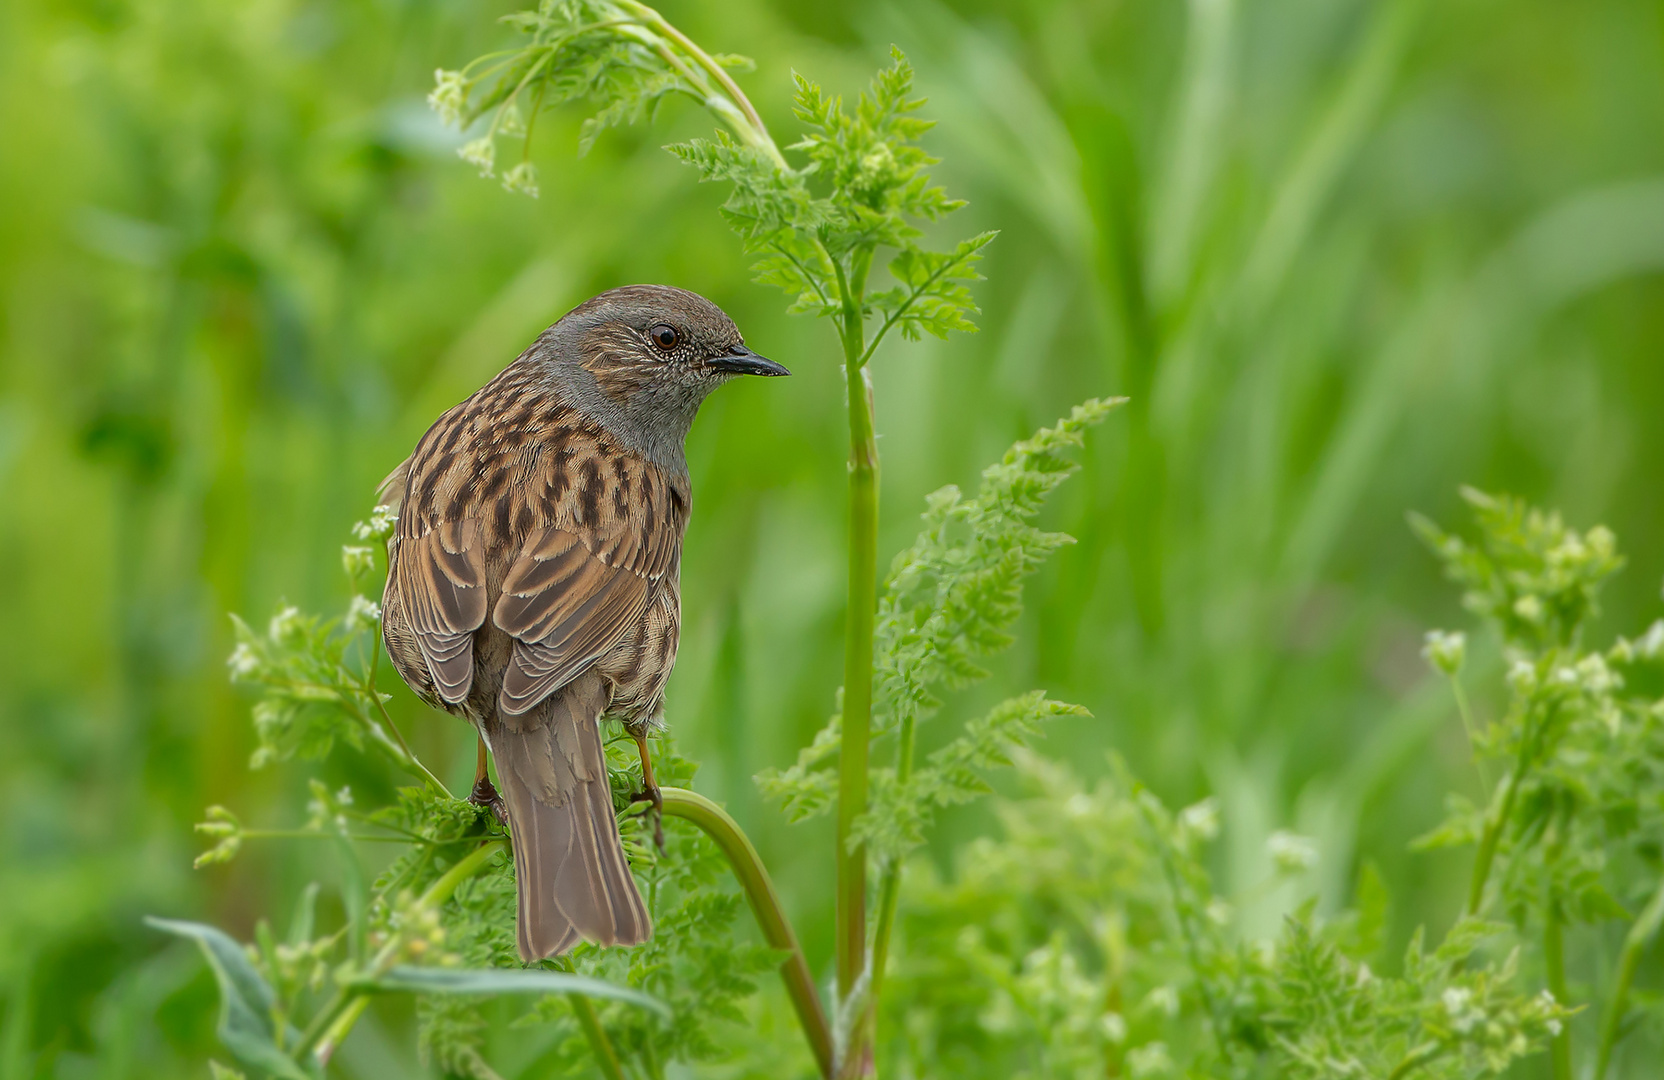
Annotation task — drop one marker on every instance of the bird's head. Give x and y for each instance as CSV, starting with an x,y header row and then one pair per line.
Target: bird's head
x,y
640,359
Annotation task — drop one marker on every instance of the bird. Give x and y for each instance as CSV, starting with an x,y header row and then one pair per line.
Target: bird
x,y
533,583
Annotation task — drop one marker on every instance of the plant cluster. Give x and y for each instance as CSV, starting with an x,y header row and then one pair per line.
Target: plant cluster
x,y
1089,939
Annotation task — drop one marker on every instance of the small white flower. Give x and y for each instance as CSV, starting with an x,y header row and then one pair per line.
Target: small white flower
x,y
1522,677
1464,1016
448,96
285,624
1291,852
480,153
362,613
522,178
244,662
1445,650
1365,976
1595,676
1529,608
1200,820
379,527
356,560
1114,1027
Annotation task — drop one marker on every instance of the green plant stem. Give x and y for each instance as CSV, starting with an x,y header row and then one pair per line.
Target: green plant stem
x,y
411,762
1472,733
1502,805
599,1044
1415,1059
1640,935
765,904
851,915
744,118
336,1018
889,888
1554,959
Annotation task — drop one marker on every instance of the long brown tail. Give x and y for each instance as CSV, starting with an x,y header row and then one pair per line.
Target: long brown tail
x,y
569,867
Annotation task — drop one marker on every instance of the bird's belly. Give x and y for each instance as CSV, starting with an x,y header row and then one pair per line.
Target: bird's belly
x,y
638,667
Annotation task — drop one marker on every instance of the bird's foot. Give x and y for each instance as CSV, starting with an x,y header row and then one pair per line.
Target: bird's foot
x,y
484,794
651,795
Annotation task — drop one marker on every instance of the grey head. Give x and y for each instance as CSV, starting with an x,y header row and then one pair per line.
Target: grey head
x,y
639,360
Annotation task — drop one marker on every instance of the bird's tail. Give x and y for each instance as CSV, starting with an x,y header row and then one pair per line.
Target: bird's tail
x,y
569,867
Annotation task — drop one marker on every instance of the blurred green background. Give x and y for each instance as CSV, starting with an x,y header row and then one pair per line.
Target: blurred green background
x,y
1344,255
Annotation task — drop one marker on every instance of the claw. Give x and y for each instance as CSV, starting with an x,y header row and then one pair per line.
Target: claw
x,y
484,794
650,792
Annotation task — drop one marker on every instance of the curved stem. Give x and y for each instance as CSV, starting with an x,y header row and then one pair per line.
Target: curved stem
x,y
758,135
765,904
1636,941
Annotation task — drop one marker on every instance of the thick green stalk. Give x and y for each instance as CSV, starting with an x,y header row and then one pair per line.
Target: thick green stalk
x,y
765,904
1636,941
851,858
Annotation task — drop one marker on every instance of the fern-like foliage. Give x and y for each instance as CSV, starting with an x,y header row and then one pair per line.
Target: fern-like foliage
x,y
1087,939
949,603
864,184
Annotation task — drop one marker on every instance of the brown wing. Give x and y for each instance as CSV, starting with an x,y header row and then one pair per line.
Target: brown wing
x,y
442,586
580,586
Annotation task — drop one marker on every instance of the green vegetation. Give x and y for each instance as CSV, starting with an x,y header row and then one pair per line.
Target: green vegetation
x,y
1340,263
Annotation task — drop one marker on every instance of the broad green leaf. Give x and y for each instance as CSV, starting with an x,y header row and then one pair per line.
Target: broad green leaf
x,y
246,1001
508,981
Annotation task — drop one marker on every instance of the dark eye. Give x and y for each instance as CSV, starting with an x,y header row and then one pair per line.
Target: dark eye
x,y
664,336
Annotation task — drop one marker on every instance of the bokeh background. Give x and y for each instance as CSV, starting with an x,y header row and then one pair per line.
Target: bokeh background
x,y
1345,255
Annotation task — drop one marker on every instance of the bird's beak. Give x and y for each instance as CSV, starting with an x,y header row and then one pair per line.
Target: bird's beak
x,y
740,360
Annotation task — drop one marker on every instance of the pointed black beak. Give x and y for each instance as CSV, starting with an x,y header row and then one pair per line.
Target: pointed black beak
x,y
742,361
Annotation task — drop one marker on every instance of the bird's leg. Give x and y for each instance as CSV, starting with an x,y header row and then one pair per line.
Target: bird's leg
x,y
650,791
484,794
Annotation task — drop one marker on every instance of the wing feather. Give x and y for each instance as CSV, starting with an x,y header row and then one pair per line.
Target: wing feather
x,y
442,580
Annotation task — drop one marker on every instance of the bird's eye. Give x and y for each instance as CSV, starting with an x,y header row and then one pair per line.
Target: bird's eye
x,y
664,336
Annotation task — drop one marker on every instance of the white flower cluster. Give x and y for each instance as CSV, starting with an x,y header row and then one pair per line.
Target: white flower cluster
x,y
357,559
379,527
1199,821
1464,1014
286,624
448,96
244,662
363,614
480,153
1290,852
522,178
1446,650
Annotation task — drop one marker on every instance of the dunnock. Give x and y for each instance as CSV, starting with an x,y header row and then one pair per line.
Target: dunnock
x,y
533,580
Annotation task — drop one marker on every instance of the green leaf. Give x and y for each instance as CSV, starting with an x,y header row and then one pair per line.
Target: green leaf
x,y
423,980
246,1000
